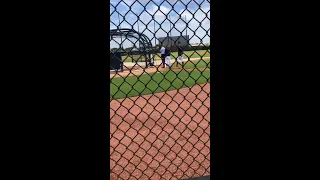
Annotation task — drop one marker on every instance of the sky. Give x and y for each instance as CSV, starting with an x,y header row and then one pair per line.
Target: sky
x,y
196,13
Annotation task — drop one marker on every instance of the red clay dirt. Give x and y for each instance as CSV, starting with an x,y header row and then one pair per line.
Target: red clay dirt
x,y
161,136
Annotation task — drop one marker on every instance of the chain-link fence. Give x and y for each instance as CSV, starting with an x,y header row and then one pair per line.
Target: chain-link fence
x,y
160,92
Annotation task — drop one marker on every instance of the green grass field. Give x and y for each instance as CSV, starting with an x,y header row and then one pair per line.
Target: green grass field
x,y
156,82
198,64
191,54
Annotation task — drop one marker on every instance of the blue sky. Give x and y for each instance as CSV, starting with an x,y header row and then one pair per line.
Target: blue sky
x,y
197,16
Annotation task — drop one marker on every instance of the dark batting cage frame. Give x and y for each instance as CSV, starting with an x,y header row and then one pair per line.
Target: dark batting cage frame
x,y
143,40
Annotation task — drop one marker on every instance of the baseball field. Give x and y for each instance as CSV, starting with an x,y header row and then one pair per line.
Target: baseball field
x,y
190,54
193,73
159,121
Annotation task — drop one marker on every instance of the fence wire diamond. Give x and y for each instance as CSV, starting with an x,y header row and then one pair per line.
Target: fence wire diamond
x,y
159,89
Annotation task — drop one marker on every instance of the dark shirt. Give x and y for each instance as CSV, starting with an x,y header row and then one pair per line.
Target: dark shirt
x,y
167,52
180,52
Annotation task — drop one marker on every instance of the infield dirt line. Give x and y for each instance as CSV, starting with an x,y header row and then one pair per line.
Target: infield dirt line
x,y
149,71
140,71
130,64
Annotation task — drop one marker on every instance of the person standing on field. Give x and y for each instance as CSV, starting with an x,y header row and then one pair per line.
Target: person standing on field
x,y
180,55
163,56
167,59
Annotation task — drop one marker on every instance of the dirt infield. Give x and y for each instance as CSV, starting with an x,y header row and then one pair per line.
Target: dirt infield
x,y
137,70
161,136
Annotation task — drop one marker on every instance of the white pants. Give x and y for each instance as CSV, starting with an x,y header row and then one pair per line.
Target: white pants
x,y
167,61
180,59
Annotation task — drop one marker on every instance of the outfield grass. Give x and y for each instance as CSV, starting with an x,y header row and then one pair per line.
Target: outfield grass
x,y
191,54
156,82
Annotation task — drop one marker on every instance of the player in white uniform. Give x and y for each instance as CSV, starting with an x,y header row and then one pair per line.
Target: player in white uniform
x,y
163,56
180,55
167,59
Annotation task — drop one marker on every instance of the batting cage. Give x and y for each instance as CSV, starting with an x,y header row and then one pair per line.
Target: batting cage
x,y
131,58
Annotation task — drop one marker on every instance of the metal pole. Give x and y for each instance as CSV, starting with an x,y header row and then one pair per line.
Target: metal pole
x,y
154,30
186,28
120,28
139,36
155,41
170,33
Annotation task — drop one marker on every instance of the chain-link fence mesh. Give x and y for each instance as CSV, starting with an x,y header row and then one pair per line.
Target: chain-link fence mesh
x,y
160,92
